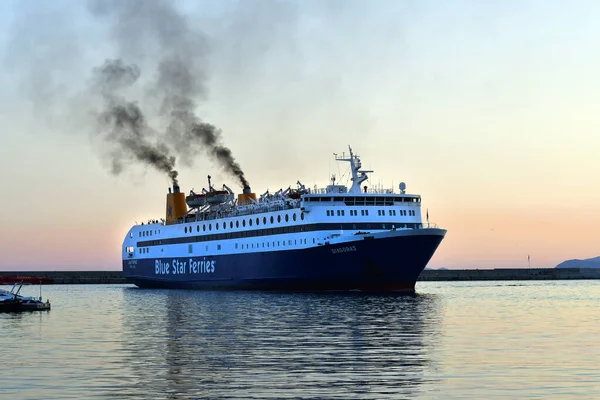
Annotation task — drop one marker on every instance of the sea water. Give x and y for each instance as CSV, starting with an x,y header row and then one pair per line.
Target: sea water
x,y
452,340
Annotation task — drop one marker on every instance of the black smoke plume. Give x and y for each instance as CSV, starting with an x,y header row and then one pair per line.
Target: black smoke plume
x,y
154,33
124,122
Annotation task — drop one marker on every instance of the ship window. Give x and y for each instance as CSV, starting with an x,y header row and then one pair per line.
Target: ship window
x,y
294,217
367,212
279,218
185,229
210,227
302,216
236,245
131,235
264,220
250,222
257,221
204,228
190,248
243,222
271,219
263,245
343,213
237,224
217,226
286,218
231,225
218,247
313,240
328,213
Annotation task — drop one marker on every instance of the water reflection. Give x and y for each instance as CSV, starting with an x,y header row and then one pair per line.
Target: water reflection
x,y
184,344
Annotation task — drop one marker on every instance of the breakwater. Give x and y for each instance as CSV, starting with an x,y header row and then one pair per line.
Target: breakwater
x,y
498,274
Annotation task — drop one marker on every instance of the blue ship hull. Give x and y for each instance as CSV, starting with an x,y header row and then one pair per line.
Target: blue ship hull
x,y
372,264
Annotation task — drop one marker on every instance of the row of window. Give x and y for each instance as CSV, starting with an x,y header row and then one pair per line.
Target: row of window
x,y
270,244
147,233
364,200
278,231
249,221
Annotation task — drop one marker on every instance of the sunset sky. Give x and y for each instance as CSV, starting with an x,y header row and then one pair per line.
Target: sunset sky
x,y
489,110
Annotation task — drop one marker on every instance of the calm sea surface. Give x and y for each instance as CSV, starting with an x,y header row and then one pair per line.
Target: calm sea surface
x,y
454,340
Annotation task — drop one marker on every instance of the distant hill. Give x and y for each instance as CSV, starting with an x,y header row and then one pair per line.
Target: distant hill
x,y
589,263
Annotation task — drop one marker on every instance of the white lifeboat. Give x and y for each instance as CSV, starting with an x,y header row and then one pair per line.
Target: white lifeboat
x,y
195,200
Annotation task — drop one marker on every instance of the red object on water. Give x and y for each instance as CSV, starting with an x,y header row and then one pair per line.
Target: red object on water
x,y
12,279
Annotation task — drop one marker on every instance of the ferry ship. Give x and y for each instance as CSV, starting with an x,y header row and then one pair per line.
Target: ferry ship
x,y
336,238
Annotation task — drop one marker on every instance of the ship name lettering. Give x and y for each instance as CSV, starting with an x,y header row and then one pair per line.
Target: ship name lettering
x,y
200,267
343,249
178,267
161,268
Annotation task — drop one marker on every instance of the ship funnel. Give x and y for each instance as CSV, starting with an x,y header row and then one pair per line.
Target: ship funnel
x,y
246,197
176,206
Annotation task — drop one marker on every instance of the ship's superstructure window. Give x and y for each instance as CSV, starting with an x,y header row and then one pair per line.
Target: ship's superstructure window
x,y
393,213
286,218
237,224
302,216
279,218
250,222
218,247
190,248
257,221
231,225
224,225
210,227
271,219
243,222
217,226
203,227
197,228
264,220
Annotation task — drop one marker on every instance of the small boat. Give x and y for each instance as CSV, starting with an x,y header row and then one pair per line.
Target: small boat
x,y
195,200
12,301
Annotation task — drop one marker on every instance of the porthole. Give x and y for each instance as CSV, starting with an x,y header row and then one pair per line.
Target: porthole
x,y
210,227
243,222
250,222
231,225
197,228
279,218
286,218
131,235
185,229
224,225
271,219
204,228
264,221
217,226
237,224
257,221
294,217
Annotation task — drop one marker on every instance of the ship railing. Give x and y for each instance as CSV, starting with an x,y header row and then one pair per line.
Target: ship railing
x,y
429,225
250,211
369,191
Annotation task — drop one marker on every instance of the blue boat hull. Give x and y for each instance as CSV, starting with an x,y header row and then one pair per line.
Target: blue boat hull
x,y
379,264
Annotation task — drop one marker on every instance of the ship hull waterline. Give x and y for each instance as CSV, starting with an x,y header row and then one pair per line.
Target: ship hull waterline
x,y
369,264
